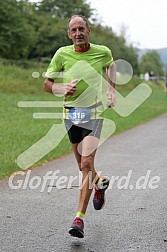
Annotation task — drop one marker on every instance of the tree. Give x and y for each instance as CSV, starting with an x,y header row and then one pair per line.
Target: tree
x,y
34,30
151,62
17,34
52,34
64,9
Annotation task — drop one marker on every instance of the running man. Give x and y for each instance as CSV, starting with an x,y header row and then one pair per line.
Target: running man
x,y
83,63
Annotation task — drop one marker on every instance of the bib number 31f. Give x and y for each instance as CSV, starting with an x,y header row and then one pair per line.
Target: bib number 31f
x,y
77,115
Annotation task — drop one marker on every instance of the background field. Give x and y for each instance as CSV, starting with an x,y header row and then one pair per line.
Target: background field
x,y
19,130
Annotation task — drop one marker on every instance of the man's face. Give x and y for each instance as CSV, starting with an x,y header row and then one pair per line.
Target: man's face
x,y
78,31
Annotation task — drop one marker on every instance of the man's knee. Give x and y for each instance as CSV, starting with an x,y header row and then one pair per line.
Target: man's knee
x,y
86,164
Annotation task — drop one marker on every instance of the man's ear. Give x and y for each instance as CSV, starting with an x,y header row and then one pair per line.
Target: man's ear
x,y
89,29
68,33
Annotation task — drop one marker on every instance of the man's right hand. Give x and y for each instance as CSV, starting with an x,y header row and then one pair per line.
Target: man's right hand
x,y
70,87
60,89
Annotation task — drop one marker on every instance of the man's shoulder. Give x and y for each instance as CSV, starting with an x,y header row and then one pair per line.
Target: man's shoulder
x,y
100,47
68,48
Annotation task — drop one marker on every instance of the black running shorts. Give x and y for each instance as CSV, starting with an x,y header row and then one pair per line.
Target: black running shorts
x,y
77,132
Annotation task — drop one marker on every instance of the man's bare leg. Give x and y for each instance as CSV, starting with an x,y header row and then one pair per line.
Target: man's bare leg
x,y
85,155
86,165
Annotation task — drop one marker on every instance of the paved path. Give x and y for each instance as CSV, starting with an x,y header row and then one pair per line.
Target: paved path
x,y
132,220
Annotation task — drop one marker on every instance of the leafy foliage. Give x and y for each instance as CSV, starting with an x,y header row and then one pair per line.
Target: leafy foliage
x,y
36,30
151,62
17,33
65,9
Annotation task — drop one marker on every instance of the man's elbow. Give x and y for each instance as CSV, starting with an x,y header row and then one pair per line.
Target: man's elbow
x,y
47,86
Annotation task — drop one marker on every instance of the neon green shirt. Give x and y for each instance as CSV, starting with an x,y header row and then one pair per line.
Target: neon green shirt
x,y
87,67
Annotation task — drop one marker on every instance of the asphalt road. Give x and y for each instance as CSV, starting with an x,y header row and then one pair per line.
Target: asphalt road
x,y
36,218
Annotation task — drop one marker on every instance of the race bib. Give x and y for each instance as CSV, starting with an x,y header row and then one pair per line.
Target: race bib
x,y
79,115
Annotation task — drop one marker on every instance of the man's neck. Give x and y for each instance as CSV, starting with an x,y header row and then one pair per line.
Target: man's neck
x,y
82,48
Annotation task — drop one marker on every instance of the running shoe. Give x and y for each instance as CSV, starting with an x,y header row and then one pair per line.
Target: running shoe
x,y
77,228
99,195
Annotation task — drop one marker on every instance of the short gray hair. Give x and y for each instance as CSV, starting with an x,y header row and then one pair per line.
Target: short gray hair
x,y
81,16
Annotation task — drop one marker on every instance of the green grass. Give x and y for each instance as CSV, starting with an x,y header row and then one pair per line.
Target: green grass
x,y
19,130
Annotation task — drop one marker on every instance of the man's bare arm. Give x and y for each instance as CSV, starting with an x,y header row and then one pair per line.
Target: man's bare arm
x,y
111,79
55,88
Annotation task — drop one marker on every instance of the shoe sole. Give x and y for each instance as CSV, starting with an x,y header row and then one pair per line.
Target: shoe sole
x,y
76,233
102,205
